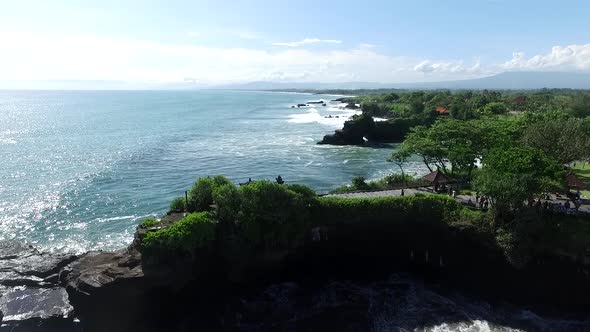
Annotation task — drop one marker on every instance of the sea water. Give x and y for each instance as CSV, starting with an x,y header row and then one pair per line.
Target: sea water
x,y
80,169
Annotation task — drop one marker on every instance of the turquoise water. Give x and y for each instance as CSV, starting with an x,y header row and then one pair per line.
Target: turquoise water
x,y
80,169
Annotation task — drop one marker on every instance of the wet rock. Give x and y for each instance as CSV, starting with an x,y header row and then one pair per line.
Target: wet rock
x,y
30,293
94,270
352,133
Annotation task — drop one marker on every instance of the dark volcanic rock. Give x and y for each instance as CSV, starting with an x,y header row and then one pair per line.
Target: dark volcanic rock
x,y
353,132
30,294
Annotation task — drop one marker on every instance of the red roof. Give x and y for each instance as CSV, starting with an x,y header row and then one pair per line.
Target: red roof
x,y
519,99
442,110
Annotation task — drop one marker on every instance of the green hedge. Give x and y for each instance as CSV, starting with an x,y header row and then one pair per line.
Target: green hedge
x,y
149,222
192,232
274,215
200,197
178,204
431,208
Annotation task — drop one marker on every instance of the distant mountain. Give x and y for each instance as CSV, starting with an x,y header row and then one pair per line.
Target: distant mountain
x,y
269,85
518,80
503,81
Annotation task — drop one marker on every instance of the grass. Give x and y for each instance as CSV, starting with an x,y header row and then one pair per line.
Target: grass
x,y
582,170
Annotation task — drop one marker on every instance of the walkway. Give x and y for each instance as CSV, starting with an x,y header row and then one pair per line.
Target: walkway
x,y
374,194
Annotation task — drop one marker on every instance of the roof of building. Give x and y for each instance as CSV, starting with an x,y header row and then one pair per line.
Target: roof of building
x,y
436,177
573,181
442,110
520,99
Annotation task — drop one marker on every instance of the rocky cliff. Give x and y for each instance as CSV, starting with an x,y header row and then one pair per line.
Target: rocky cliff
x,y
120,291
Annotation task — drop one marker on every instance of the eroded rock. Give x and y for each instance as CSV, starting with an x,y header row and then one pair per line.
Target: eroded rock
x,y
30,292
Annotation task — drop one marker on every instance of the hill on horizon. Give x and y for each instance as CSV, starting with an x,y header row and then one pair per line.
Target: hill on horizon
x,y
502,81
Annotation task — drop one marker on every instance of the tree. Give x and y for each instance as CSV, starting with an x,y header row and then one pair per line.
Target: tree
x,y
460,109
400,157
391,97
565,141
511,175
494,108
448,142
579,106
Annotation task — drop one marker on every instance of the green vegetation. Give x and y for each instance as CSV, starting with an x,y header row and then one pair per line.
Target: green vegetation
x,y
582,170
430,208
178,204
149,222
183,237
393,181
273,215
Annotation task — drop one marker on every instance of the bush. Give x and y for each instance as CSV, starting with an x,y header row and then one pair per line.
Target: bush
x,y
429,208
183,237
149,223
274,216
178,204
200,197
306,192
228,200
359,183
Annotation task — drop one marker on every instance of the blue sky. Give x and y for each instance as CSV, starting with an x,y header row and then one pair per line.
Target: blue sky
x,y
235,41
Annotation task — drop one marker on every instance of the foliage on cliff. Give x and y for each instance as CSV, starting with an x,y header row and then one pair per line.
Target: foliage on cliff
x,y
428,208
192,232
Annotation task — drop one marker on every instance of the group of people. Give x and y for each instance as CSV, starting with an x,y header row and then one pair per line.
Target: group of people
x,y
279,180
480,201
564,208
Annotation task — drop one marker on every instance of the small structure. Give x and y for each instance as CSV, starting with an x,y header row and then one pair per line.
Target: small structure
x,y
520,99
437,178
442,111
574,182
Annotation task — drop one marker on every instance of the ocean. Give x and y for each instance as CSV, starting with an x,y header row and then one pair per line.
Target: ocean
x,y
80,169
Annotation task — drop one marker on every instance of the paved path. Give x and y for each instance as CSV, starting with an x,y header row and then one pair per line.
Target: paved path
x,y
373,194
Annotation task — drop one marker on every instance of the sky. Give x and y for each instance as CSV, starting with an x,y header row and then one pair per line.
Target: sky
x,y
223,41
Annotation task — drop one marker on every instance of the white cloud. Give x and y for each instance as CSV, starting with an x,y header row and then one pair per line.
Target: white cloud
x,y
572,57
307,41
449,67
46,56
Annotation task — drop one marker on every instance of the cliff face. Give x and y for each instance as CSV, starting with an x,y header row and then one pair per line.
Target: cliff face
x,y
362,127
120,291
352,133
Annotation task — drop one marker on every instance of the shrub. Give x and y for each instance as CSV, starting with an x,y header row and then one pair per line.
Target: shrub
x,y
228,200
200,197
273,215
220,180
149,223
306,192
184,236
429,208
178,204
359,183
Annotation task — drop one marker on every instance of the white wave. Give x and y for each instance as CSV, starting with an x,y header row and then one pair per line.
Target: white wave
x,y
7,141
313,116
469,326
